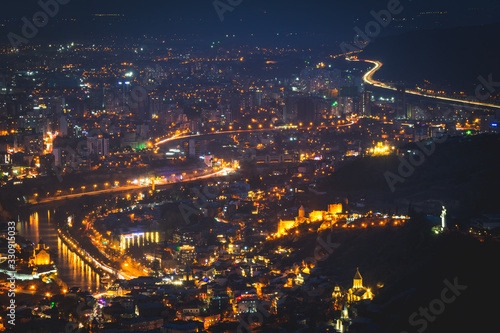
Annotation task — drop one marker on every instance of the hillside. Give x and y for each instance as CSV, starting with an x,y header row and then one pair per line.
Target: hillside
x,y
450,59
462,172
412,264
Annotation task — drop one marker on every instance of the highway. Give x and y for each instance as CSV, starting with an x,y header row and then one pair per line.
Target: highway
x,y
222,172
87,257
278,128
368,79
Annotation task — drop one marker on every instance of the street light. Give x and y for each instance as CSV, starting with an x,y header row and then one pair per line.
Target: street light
x,y
71,189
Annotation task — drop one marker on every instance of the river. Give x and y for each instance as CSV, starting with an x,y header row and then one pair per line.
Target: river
x,y
71,269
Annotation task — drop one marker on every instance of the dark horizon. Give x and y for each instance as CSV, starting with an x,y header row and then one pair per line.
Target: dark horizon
x,y
331,19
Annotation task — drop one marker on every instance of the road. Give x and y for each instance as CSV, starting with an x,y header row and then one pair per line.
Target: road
x,y
89,259
189,136
222,172
368,79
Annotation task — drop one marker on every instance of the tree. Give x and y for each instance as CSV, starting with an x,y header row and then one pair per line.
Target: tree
x,y
155,267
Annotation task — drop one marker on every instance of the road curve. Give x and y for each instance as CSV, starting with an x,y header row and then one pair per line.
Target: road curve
x,y
222,172
368,79
294,127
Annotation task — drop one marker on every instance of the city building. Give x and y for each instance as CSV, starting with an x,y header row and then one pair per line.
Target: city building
x,y
358,292
40,256
98,146
192,148
366,109
401,102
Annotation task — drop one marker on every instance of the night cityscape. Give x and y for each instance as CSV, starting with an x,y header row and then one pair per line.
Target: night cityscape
x,y
249,166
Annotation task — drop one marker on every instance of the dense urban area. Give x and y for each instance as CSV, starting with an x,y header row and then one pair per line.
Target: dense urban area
x,y
152,185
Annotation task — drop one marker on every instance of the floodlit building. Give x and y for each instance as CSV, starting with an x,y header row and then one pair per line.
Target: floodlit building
x,y
138,238
330,216
40,256
358,292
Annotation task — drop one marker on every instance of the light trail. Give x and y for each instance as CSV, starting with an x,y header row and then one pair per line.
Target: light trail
x,y
87,257
76,248
189,136
368,79
223,172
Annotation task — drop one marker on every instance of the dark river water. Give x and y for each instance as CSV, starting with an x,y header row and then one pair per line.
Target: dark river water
x,y
71,269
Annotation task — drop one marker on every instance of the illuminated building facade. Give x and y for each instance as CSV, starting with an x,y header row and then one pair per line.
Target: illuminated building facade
x,y
330,216
283,226
358,292
40,256
138,239
186,254
335,217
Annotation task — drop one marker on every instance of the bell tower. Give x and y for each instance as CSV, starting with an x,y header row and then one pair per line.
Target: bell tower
x,y
358,280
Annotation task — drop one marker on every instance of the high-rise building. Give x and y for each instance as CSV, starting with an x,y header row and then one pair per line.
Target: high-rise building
x,y
235,106
366,109
58,156
346,105
97,99
192,148
258,95
306,110
143,130
5,83
348,99
63,126
97,146
410,112
400,102
290,109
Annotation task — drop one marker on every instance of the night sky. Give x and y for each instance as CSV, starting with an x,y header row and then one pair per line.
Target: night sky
x,y
336,18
